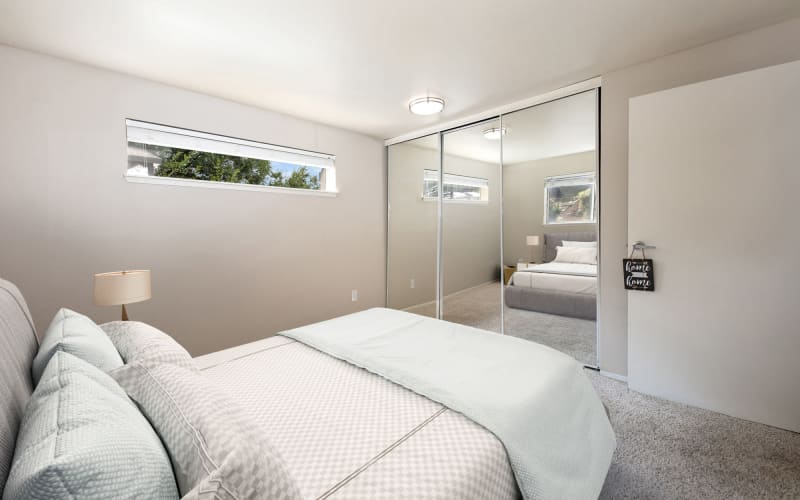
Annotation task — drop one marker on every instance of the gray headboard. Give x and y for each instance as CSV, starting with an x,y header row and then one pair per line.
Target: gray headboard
x,y
18,346
553,240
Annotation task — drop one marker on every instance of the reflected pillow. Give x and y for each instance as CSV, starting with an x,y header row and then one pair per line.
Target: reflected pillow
x,y
78,335
582,244
576,255
82,437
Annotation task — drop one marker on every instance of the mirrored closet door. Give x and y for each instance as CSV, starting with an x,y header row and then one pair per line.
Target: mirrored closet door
x,y
550,224
495,224
471,201
413,176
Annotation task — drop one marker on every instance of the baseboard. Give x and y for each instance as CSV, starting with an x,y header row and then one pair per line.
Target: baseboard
x,y
459,292
615,376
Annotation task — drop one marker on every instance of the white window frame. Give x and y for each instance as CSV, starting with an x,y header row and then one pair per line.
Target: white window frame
x,y
580,179
167,136
458,180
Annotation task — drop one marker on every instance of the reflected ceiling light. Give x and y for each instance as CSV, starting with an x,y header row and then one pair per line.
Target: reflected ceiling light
x,y
494,133
427,105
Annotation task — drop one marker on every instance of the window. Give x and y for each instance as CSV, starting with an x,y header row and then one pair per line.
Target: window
x,y
161,154
457,188
569,199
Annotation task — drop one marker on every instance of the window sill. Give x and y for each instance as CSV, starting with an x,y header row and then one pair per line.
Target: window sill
x,y
458,202
568,223
172,181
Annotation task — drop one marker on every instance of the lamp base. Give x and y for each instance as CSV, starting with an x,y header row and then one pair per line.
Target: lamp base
x,y
124,313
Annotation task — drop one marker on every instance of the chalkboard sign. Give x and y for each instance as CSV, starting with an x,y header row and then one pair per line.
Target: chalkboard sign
x,y
638,274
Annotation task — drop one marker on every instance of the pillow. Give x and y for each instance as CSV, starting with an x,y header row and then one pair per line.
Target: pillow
x,y
215,450
582,244
77,335
82,437
140,342
576,255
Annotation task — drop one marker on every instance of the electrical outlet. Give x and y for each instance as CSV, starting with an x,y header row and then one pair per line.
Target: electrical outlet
x,y
413,283
354,295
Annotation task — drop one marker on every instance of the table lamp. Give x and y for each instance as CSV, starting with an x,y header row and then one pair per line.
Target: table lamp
x,y
122,287
532,241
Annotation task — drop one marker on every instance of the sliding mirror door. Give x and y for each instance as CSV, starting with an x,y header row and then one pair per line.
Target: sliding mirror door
x,y
471,201
550,224
413,173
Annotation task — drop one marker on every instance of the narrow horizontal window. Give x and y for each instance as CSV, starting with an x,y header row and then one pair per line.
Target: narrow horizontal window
x,y
569,199
457,188
162,152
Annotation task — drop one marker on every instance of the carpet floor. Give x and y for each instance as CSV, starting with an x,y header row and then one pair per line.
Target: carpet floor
x,y
665,450
480,307
668,450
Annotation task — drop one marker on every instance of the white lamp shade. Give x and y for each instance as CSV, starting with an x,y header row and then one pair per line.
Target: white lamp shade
x,y
532,241
121,287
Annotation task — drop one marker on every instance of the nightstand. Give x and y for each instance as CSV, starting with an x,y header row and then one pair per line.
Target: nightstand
x,y
507,272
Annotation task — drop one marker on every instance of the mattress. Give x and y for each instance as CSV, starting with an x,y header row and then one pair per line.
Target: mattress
x,y
558,276
347,433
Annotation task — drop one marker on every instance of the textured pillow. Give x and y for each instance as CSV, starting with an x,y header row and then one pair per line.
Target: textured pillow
x,y
142,343
82,437
77,335
215,451
583,244
576,255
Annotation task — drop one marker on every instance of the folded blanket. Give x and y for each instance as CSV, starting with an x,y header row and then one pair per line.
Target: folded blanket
x,y
537,401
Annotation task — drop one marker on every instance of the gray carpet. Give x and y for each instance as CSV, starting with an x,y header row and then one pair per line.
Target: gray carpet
x,y
667,450
480,307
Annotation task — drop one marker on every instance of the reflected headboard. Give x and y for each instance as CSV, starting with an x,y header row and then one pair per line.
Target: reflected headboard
x,y
553,240
18,346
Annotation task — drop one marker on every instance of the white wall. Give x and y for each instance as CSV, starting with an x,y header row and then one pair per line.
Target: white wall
x,y
523,202
713,183
764,47
228,266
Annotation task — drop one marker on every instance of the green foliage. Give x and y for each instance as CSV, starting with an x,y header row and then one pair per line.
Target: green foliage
x,y
200,165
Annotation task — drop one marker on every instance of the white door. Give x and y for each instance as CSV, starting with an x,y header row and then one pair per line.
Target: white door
x,y
714,184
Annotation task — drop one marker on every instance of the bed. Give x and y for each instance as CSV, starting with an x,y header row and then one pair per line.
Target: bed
x,y
563,289
342,430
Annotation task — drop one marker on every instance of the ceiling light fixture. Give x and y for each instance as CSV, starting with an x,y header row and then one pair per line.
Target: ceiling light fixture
x,y
494,133
427,105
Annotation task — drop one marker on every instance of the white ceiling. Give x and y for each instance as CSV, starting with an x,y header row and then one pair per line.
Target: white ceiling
x,y
356,63
557,128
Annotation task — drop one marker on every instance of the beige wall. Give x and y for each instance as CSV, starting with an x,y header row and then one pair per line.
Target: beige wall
x,y
228,266
764,47
470,232
523,202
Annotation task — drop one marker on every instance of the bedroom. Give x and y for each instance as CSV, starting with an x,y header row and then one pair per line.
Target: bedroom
x,y
231,266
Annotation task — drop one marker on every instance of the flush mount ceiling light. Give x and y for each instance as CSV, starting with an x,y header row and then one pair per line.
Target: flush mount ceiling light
x,y
427,105
494,133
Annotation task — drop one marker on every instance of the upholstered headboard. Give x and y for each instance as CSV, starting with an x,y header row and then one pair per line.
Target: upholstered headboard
x,y
18,346
553,240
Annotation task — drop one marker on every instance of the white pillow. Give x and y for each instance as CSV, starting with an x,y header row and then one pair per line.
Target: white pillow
x,y
582,244
576,255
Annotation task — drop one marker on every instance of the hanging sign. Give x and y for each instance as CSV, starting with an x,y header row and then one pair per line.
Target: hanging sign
x,y
638,273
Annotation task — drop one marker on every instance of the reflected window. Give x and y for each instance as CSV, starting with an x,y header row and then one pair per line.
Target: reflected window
x,y
569,199
457,188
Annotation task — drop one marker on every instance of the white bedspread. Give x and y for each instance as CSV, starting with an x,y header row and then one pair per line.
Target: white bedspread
x,y
560,276
536,400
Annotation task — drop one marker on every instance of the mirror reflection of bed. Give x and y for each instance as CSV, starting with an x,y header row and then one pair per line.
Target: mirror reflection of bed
x,y
555,302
